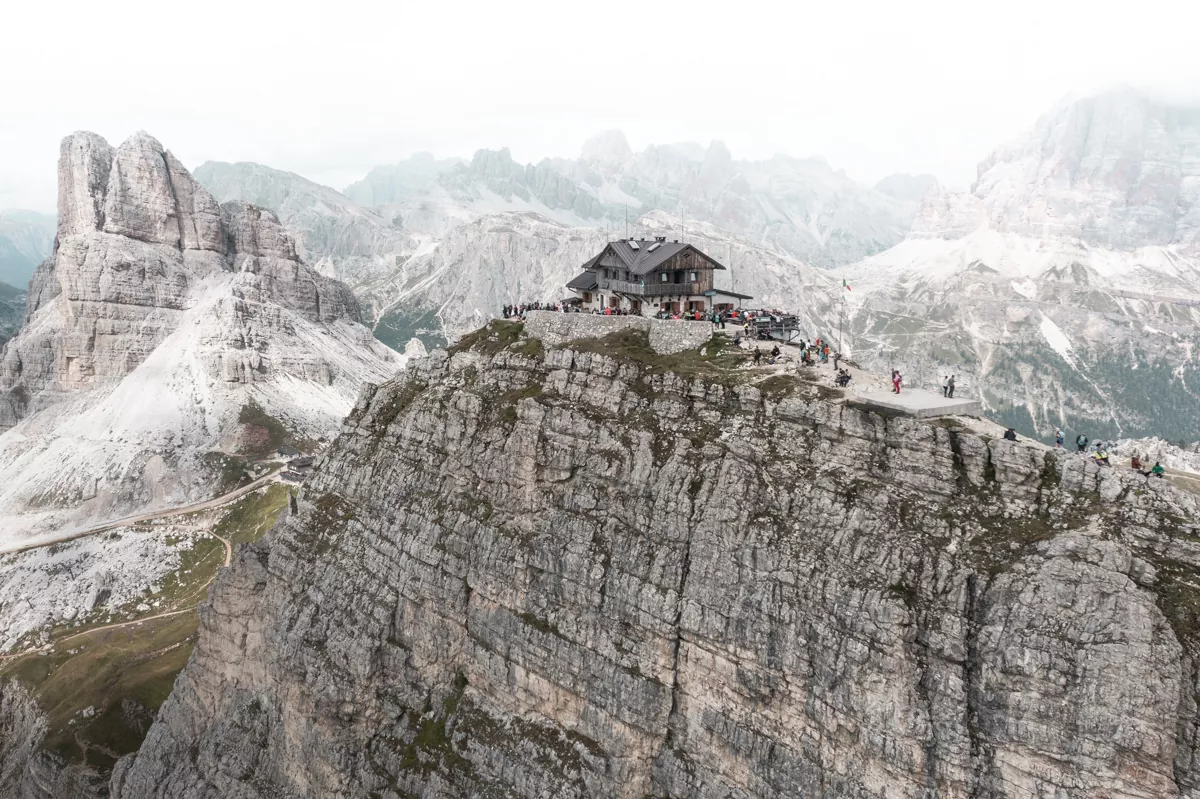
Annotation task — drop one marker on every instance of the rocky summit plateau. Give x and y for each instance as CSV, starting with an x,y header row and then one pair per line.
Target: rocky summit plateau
x,y
589,570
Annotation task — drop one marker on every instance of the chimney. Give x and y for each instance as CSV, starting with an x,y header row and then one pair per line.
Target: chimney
x,y
661,239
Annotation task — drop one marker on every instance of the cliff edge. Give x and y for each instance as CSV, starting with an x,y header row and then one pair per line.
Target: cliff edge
x,y
596,571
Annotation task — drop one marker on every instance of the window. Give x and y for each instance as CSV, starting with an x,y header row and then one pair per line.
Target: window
x,y
662,276
692,277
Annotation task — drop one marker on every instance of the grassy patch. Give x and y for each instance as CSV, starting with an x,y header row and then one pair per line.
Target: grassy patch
x,y
230,472
432,745
506,406
252,516
125,673
122,674
187,585
538,623
531,348
718,363
490,339
277,432
777,387
1179,599
331,514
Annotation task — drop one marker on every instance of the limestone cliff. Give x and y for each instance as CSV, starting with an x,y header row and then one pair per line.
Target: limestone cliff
x,y
160,316
524,571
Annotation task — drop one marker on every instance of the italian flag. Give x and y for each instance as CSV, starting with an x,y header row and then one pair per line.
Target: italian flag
x,y
845,285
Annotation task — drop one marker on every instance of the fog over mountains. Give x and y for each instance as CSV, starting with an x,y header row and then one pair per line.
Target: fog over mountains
x,y
1058,286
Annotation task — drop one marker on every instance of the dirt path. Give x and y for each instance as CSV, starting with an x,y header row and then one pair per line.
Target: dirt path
x,y
146,517
212,503
228,547
50,646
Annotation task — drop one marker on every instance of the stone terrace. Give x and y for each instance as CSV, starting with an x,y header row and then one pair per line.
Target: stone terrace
x,y
666,336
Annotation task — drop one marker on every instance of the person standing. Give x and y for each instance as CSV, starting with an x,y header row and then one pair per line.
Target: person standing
x,y
1058,438
950,387
1081,441
945,385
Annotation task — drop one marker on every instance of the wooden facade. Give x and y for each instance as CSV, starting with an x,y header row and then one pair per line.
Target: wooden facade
x,y
647,277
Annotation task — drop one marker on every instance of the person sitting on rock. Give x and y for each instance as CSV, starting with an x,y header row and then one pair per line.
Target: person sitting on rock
x,y
1158,469
1100,456
1010,434
1135,462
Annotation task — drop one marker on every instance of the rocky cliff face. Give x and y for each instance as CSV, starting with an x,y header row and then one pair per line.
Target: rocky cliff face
x,y
159,317
590,571
1117,170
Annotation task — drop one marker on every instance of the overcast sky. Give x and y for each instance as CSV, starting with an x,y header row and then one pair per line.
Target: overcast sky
x,y
328,89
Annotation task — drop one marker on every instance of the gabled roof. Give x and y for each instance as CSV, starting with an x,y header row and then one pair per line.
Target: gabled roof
x,y
585,281
648,256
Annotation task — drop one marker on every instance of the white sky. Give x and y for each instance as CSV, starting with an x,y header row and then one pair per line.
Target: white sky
x,y
329,89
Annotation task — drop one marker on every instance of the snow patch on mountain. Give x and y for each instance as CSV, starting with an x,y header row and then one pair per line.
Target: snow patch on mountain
x,y
1026,288
1057,340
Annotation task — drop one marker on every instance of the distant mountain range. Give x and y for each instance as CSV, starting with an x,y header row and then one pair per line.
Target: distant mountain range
x,y
1065,284
12,310
26,238
800,207
445,242
1059,286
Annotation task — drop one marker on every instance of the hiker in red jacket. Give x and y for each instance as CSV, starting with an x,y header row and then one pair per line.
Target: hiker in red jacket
x,y
897,380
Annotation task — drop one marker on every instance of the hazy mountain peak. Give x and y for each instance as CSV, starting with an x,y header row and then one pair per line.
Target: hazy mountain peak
x,y
907,187
609,147
1115,169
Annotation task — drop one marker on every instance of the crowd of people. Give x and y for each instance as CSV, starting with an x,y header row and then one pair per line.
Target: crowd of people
x,y
519,310
1098,452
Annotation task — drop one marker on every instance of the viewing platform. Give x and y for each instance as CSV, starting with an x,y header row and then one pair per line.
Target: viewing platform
x,y
918,403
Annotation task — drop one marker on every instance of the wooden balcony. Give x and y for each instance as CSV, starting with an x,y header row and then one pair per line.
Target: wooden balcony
x,y
651,289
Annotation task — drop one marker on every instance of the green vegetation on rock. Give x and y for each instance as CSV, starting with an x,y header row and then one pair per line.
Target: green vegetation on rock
x,y
101,684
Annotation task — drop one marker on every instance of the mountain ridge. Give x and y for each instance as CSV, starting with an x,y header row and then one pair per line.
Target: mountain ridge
x,y
159,318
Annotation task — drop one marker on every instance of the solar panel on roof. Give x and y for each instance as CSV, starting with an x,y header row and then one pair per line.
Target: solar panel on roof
x,y
633,245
